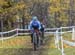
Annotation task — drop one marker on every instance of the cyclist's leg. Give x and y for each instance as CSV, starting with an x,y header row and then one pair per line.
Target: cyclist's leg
x,y
31,37
42,36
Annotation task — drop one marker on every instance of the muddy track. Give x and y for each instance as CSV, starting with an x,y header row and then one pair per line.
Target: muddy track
x,y
23,51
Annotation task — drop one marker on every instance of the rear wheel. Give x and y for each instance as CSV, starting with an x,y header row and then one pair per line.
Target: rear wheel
x,y
35,41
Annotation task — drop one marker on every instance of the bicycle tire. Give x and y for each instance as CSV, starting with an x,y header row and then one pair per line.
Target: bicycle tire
x,y
35,41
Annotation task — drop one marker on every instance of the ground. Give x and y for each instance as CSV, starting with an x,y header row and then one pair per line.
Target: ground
x,y
21,45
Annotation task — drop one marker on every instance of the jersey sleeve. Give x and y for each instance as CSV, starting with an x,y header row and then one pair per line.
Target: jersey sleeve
x,y
30,26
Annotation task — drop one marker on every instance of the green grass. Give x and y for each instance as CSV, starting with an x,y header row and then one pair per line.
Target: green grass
x,y
68,51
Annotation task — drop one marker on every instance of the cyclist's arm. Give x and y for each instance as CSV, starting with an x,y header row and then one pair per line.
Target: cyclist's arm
x,y
30,25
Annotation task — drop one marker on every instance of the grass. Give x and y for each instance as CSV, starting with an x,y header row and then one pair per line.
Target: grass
x,y
20,51
21,45
68,51
16,42
67,36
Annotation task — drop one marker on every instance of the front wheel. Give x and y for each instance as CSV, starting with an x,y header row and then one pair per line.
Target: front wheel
x,y
35,47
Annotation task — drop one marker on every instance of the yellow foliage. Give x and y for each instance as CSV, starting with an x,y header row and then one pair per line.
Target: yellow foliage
x,y
54,1
57,5
3,2
20,6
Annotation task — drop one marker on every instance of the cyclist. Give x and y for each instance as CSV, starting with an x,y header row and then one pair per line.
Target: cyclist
x,y
42,27
34,24
42,31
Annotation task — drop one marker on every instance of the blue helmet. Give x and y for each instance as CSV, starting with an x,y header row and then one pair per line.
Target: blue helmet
x,y
34,18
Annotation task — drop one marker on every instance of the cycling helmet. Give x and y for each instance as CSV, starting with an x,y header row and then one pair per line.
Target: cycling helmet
x,y
34,18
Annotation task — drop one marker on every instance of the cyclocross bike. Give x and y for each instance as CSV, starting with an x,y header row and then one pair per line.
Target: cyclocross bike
x,y
36,39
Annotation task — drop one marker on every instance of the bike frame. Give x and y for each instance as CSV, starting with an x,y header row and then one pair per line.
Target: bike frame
x,y
36,38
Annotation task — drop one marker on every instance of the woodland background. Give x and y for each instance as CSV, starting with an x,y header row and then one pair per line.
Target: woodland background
x,y
52,13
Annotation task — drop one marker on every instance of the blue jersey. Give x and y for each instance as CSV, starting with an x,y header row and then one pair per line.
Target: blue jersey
x,y
34,24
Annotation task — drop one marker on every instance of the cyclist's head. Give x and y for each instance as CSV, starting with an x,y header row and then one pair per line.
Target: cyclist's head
x,y
34,18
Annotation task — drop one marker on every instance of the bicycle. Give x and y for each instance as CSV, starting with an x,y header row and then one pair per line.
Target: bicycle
x,y
36,39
